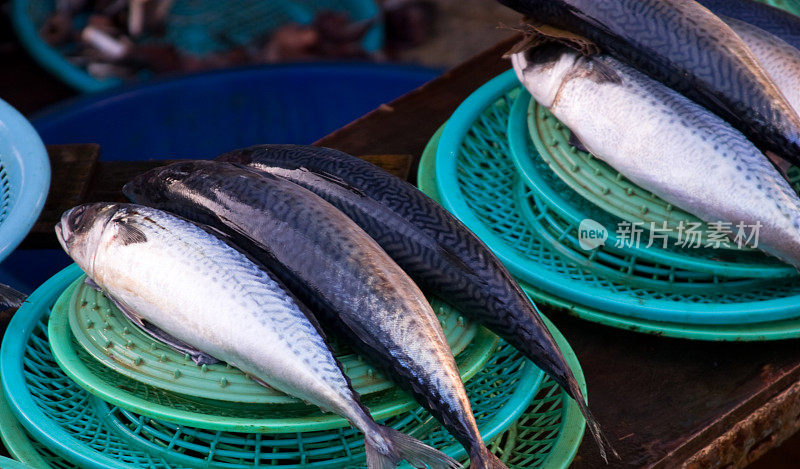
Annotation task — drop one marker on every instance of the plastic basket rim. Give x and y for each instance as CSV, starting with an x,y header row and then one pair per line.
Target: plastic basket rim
x,y
518,140
530,272
779,330
54,62
7,463
29,160
33,419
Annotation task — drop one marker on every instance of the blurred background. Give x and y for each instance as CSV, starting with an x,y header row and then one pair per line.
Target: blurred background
x,y
165,79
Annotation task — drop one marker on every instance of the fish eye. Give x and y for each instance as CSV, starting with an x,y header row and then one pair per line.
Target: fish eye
x,y
77,215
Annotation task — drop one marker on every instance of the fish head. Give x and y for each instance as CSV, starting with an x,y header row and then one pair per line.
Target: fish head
x,y
152,187
81,231
543,69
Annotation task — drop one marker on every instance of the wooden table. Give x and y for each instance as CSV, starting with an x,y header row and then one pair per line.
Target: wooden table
x,y
663,402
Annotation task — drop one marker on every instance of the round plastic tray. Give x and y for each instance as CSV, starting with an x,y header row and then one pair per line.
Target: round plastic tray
x,y
194,26
114,341
24,178
82,428
777,330
477,182
573,208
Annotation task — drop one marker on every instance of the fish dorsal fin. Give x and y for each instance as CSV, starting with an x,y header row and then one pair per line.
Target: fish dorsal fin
x,y
334,179
129,234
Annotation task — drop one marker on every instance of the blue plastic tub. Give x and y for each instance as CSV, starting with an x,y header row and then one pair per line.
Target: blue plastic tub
x,y
203,115
24,178
196,27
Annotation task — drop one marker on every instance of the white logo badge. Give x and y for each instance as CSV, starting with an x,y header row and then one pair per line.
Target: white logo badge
x,y
591,234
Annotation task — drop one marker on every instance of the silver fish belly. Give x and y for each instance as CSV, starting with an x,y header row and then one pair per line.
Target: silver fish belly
x,y
666,144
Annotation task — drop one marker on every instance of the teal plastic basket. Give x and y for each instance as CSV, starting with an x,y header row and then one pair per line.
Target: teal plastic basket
x,y
24,178
477,180
88,432
777,330
194,26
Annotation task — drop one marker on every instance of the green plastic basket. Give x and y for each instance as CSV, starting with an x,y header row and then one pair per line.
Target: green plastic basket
x,y
85,430
777,330
478,180
572,208
218,414
194,26
110,338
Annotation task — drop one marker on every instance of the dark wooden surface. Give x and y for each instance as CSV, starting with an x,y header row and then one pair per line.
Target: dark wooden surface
x,y
663,402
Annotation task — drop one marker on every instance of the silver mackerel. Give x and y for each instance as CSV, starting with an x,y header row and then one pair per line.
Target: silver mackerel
x,y
335,268
193,286
665,143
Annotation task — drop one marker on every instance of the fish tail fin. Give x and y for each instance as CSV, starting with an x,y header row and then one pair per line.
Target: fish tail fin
x,y
404,447
594,428
482,458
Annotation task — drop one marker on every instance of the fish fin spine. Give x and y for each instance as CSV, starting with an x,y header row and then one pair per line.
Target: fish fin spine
x,y
403,447
603,444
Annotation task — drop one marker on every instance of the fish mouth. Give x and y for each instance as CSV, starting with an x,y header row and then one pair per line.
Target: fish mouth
x,y
63,233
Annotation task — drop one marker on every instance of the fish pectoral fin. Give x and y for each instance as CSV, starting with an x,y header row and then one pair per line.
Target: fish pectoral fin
x,y
334,179
11,298
576,142
600,72
129,234
536,34
198,357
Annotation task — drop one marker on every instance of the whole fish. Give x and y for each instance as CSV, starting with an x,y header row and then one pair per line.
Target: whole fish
x,y
683,45
780,59
667,144
441,254
203,292
335,268
767,17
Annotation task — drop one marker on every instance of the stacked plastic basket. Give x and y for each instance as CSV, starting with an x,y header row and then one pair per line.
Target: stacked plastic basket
x,y
504,165
83,387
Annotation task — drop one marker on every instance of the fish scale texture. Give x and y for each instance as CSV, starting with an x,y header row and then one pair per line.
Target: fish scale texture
x,y
774,20
247,291
487,291
466,274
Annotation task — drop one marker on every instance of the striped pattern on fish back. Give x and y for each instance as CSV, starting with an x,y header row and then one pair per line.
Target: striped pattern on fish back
x,y
249,286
